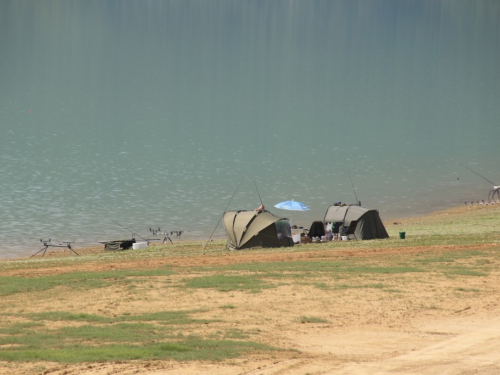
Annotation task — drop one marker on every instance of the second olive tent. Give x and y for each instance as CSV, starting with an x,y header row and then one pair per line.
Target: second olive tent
x,y
361,223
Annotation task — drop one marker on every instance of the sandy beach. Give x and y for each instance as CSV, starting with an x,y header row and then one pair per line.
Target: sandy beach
x,y
428,304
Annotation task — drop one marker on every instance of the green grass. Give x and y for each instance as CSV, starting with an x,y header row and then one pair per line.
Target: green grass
x,y
223,283
451,257
471,290
80,280
230,307
143,336
180,350
312,319
464,271
311,268
236,334
353,286
384,270
162,317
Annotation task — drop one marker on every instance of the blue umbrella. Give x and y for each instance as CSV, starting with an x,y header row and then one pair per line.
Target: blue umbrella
x,y
292,206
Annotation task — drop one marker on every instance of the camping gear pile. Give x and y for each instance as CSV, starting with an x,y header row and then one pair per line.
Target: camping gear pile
x,y
251,229
118,244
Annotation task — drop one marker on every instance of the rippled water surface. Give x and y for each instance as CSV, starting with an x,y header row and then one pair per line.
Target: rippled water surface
x,y
151,113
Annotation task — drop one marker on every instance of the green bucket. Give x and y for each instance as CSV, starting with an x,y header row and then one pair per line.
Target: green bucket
x,y
402,235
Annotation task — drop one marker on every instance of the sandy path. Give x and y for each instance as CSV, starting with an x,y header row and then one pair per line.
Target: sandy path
x,y
467,346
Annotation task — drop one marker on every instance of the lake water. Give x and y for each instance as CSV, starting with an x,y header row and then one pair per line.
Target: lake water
x,y
151,113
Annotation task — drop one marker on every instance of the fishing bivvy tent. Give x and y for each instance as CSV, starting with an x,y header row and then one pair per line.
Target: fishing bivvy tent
x,y
247,229
361,223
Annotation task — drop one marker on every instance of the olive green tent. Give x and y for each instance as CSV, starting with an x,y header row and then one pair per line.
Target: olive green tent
x,y
247,229
361,223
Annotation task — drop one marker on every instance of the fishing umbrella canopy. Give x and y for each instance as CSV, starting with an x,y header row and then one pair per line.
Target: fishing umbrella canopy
x,y
247,229
292,206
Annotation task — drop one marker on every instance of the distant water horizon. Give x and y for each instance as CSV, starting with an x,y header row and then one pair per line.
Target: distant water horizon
x,y
150,114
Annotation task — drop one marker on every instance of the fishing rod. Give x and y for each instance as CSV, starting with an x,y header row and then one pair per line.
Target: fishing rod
x,y
210,239
353,189
133,233
494,191
478,174
262,203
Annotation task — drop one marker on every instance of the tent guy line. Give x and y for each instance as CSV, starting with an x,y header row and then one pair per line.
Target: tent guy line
x,y
210,239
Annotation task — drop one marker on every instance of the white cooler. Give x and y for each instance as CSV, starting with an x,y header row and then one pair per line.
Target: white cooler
x,y
139,245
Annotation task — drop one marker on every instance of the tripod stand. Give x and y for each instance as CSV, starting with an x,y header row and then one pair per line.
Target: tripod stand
x,y
47,244
167,237
158,231
491,195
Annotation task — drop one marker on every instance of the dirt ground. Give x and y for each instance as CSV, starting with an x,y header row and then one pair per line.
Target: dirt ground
x,y
424,327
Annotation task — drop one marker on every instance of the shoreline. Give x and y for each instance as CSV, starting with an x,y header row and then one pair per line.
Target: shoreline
x,y
388,223
391,225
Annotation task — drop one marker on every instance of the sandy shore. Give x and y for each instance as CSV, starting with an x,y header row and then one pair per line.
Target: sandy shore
x,y
413,309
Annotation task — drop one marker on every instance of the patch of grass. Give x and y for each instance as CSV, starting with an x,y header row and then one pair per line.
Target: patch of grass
x,y
278,269
73,336
304,269
162,317
482,262
19,328
450,257
442,259
322,286
66,316
182,350
473,290
312,319
235,334
121,338
386,270
462,271
81,280
169,317
225,283
345,286
228,307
